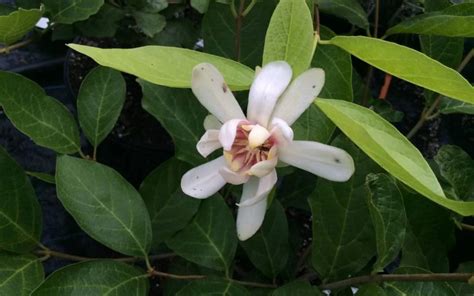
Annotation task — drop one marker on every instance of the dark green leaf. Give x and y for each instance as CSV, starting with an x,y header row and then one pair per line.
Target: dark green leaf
x,y
43,177
178,33
99,103
457,167
149,23
449,106
95,278
418,288
296,288
350,10
295,189
219,32
210,240
104,205
17,23
343,237
464,289
103,24
213,287
371,290
45,120
19,274
200,5
180,113
28,4
20,214
71,11
388,216
170,210
268,248
385,109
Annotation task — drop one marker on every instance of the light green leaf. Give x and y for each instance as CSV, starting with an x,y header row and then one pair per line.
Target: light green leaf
x,y
20,214
19,274
95,278
418,288
200,5
290,36
210,240
457,167
343,236
170,210
180,113
45,120
71,11
313,125
295,288
268,248
390,149
104,205
99,103
167,66
43,177
101,25
408,64
149,23
350,10
450,106
454,21
16,24
388,216
213,287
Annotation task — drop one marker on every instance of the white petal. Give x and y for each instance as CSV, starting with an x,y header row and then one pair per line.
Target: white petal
x,y
260,190
249,219
282,131
211,122
204,180
322,160
263,168
265,90
227,133
209,142
232,177
209,87
257,136
299,95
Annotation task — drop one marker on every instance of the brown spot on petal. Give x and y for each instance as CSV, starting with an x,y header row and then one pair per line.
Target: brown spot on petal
x,y
224,87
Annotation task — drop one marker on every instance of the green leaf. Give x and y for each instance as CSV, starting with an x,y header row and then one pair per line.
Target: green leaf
x,y
95,278
290,36
71,11
170,210
200,5
464,289
210,239
457,167
268,248
388,216
16,24
28,4
149,23
42,118
19,274
219,32
418,288
343,236
20,214
180,113
43,177
179,33
99,103
213,287
167,66
350,10
295,288
371,290
450,106
103,24
408,64
454,21
390,149
313,125
430,234
104,205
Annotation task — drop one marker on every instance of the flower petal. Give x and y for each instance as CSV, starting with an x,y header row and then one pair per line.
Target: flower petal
x,y
233,177
211,122
263,168
249,219
257,136
322,160
209,87
204,180
208,143
299,95
260,190
281,131
227,133
268,85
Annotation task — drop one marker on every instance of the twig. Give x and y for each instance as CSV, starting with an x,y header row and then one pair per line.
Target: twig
x,y
249,8
379,278
317,20
238,29
386,86
51,253
154,272
377,16
254,284
7,49
304,256
467,227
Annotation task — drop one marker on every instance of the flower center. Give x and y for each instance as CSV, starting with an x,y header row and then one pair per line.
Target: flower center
x,y
252,144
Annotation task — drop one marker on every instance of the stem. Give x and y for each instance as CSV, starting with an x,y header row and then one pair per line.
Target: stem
x,y
317,20
232,9
254,284
176,276
430,110
304,256
94,154
249,8
46,252
238,29
377,16
379,278
467,227
7,49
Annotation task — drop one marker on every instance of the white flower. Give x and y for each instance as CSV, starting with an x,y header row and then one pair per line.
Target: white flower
x,y
253,145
